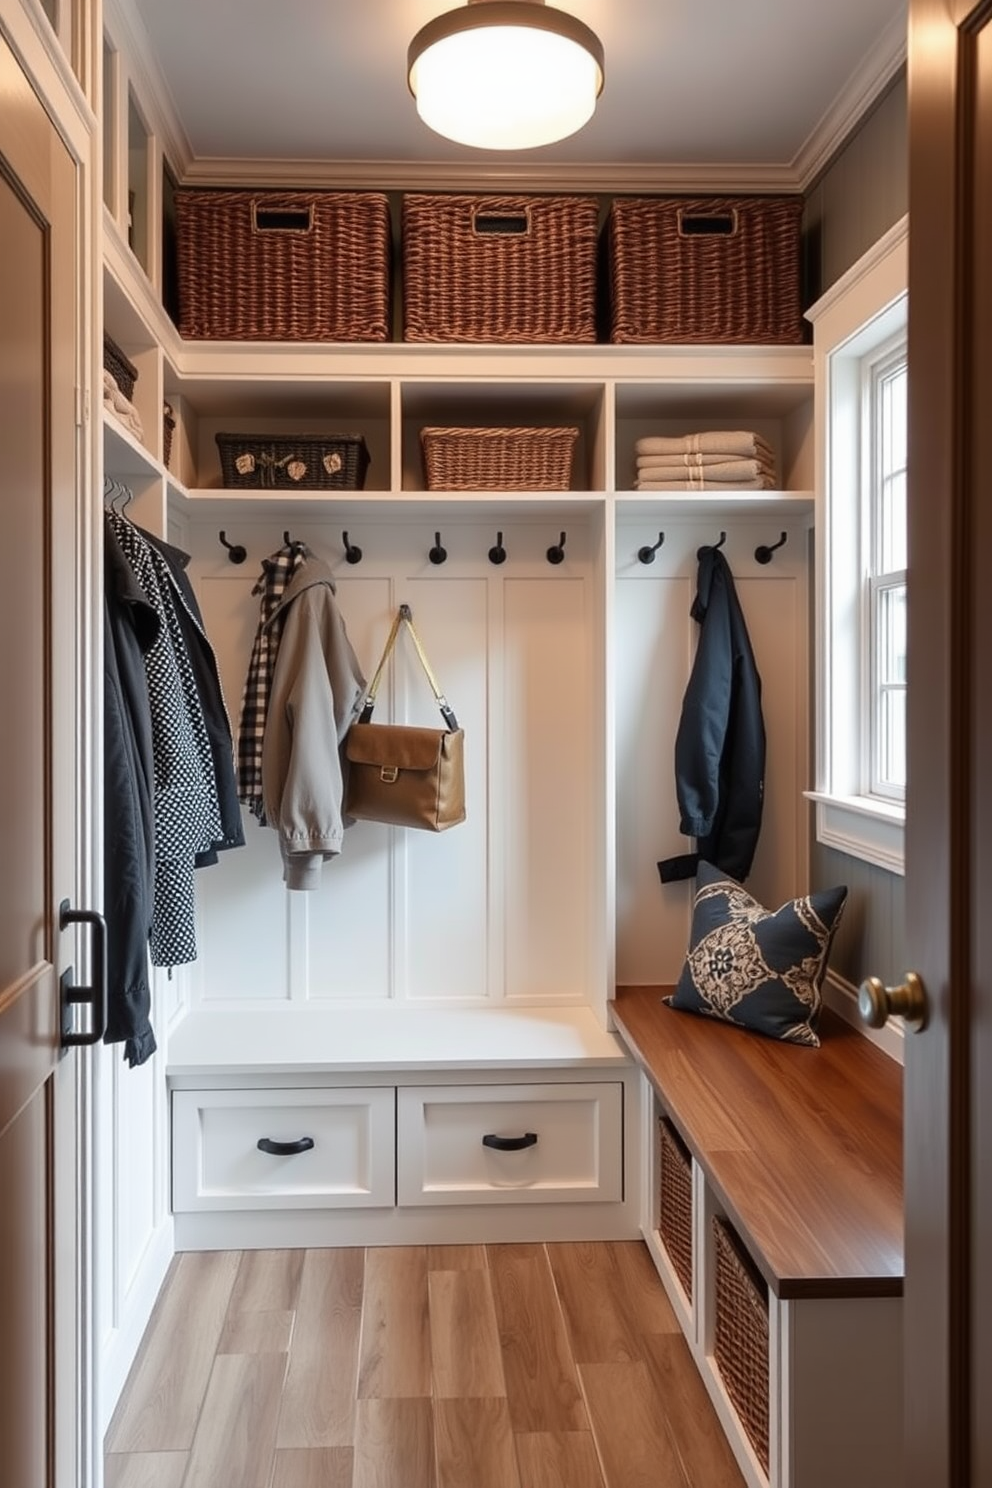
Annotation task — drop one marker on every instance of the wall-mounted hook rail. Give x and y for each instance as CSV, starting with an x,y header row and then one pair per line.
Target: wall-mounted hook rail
x,y
497,554
763,553
352,553
437,554
556,553
235,552
646,554
711,547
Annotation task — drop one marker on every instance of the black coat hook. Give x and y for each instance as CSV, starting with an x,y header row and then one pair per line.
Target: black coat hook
x,y
763,553
711,547
556,553
437,554
235,552
352,553
646,554
287,541
498,553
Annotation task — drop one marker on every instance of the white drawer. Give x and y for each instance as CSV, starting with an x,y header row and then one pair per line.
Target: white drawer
x,y
217,1162
566,1144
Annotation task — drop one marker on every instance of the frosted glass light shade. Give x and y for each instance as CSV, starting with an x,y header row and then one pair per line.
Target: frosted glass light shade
x,y
505,74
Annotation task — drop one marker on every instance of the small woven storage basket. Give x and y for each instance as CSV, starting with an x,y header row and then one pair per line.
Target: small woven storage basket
x,y
675,1212
741,1335
123,371
283,265
293,462
517,459
168,429
698,269
499,268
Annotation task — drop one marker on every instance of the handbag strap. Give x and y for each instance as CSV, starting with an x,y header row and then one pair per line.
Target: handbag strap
x,y
405,615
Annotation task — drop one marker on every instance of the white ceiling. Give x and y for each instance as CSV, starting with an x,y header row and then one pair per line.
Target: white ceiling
x,y
754,91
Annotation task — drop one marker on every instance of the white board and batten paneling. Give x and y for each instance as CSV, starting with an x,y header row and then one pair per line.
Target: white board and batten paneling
x,y
655,641
508,906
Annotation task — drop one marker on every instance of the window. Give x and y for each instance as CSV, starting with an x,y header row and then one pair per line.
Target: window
x,y
883,497
861,372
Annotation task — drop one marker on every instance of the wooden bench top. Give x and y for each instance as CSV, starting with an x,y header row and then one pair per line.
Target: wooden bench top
x,y
803,1147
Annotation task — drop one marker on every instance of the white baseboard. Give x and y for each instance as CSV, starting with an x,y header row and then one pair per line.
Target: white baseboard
x,y
842,997
121,1346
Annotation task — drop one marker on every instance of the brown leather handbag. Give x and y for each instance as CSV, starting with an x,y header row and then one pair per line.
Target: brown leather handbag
x,y
403,775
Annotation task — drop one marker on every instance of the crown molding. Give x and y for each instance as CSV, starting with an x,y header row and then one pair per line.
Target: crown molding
x,y
124,26
405,175
878,69
881,65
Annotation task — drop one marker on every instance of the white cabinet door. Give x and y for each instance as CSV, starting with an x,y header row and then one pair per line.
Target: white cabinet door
x,y
510,1144
276,1149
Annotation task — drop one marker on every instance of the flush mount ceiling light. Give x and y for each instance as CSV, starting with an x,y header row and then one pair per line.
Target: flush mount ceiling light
x,y
505,74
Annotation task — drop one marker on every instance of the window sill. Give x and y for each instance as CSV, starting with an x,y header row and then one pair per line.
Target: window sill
x,y
861,828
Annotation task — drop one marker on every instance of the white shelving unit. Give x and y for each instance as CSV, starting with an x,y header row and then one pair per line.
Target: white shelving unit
x,y
474,969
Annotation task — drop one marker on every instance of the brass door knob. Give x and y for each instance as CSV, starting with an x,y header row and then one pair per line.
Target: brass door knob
x,y
877,1002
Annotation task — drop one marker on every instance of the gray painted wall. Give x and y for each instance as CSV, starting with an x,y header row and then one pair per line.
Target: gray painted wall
x,y
860,196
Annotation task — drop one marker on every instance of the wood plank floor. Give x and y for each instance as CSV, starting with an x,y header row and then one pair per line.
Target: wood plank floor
x,y
502,1366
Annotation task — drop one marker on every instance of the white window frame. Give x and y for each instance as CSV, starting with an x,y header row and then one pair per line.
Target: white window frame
x,y
877,366
862,316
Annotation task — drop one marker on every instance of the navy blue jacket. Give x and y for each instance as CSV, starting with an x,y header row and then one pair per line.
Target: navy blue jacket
x,y
720,744
130,627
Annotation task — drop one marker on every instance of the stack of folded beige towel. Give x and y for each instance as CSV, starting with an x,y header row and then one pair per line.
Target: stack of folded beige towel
x,y
714,460
122,408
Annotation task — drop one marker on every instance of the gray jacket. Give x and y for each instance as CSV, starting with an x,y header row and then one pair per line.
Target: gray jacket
x,y
317,688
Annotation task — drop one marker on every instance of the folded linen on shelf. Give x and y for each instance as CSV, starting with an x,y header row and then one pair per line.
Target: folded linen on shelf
x,y
706,441
657,467
757,484
687,461
122,408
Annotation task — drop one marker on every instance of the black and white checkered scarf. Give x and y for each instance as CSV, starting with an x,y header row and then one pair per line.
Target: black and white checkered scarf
x,y
277,571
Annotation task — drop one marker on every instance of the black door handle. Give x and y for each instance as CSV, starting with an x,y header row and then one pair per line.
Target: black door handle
x,y
285,1149
95,996
510,1144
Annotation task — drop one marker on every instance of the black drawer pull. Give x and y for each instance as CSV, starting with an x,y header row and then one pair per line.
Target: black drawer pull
x,y
285,1149
510,1144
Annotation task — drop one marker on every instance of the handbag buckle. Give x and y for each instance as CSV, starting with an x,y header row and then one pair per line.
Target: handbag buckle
x,y
389,774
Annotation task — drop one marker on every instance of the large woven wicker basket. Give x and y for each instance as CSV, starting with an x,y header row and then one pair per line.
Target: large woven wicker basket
x,y
293,462
498,459
675,1212
705,269
283,265
741,1335
499,268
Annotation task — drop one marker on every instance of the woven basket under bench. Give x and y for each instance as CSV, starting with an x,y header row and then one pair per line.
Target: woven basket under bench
x,y
675,1202
741,1334
283,265
293,462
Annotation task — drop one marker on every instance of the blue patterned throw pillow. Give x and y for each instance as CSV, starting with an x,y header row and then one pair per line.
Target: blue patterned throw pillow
x,y
750,966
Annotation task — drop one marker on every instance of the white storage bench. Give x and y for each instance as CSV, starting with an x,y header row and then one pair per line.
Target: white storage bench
x,y
312,1126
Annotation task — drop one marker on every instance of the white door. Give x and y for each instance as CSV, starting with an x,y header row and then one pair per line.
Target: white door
x,y
948,1301
39,1337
